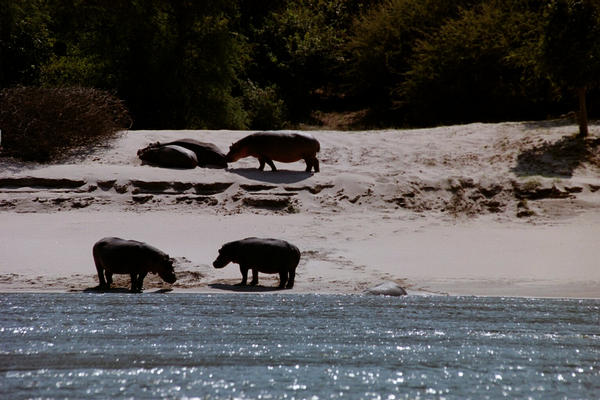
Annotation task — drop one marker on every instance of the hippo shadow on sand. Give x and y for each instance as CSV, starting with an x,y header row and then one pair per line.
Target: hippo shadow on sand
x,y
98,289
279,176
245,288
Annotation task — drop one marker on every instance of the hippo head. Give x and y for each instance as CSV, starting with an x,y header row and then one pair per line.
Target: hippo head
x,y
236,151
166,270
149,153
225,256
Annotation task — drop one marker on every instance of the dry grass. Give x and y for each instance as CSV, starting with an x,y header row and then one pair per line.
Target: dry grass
x,y
48,124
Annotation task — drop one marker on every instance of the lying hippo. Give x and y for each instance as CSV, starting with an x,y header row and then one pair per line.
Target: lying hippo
x,y
277,146
270,256
208,154
118,256
168,156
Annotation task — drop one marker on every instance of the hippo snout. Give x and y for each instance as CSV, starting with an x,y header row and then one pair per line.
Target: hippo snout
x,y
220,262
168,275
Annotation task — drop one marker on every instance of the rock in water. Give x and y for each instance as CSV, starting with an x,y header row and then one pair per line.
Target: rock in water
x,y
387,289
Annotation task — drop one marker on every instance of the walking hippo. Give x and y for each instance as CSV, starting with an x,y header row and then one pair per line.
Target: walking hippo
x,y
269,256
168,156
277,146
119,256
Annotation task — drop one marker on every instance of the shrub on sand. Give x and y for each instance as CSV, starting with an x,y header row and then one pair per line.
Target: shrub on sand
x,y
45,124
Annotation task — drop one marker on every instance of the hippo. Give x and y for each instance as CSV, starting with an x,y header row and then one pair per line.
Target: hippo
x,y
208,154
388,288
269,256
277,146
169,156
113,255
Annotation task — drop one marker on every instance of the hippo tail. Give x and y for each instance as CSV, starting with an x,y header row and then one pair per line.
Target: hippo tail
x,y
316,144
97,253
295,255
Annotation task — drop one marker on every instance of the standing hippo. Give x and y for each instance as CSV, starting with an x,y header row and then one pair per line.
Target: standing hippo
x,y
270,256
169,156
277,146
118,256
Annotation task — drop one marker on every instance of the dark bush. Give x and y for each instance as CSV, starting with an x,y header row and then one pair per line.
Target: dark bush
x,y
45,124
266,110
469,69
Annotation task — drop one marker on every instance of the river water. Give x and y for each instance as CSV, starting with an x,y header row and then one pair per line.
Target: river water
x,y
282,346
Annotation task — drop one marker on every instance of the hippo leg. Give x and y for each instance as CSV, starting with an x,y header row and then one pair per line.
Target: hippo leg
x,y
101,276
309,164
312,163
271,164
133,288
137,282
108,278
254,277
283,276
244,271
141,280
100,270
262,160
290,282
315,164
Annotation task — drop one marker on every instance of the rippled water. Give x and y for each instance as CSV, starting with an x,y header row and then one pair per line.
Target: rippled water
x,y
297,346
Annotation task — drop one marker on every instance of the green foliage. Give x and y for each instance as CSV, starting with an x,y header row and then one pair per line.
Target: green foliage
x,y
476,64
266,110
570,52
298,47
383,42
45,124
246,64
25,41
571,42
175,63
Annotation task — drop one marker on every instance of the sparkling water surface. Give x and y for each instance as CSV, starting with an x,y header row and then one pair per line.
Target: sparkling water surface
x,y
282,346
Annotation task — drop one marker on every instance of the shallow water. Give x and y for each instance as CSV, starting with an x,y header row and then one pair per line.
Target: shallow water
x,y
297,346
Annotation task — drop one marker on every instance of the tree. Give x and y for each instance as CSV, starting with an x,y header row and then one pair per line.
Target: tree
x,y
571,50
476,66
24,41
382,44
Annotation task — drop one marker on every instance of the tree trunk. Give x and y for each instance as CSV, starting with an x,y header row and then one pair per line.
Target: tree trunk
x,y
582,115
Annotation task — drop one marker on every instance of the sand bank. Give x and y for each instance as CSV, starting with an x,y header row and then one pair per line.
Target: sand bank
x,y
507,209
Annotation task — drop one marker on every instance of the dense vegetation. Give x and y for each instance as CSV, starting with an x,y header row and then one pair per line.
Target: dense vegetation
x,y
265,64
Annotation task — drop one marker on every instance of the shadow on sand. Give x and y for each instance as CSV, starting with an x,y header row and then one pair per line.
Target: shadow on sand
x,y
97,289
247,289
279,176
558,159
550,123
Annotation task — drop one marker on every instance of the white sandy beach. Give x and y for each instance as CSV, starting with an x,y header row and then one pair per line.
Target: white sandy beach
x,y
509,209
